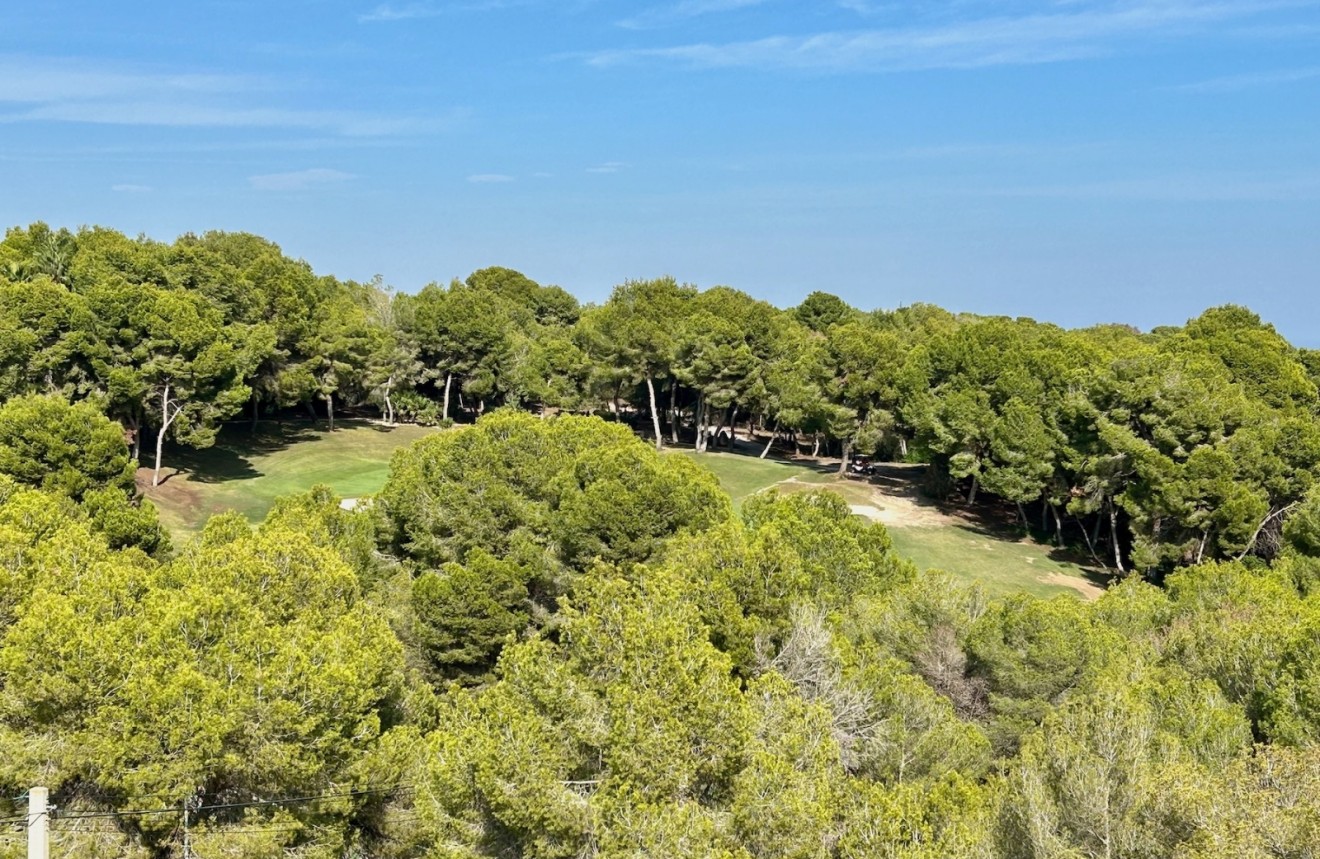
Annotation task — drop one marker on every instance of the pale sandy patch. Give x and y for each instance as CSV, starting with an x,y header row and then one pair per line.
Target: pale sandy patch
x,y
1088,590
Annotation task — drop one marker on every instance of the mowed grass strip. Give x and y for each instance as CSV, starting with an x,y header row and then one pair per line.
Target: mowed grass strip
x,y
246,472
1002,564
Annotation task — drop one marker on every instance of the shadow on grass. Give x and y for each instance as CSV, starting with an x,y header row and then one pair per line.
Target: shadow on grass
x,y
228,459
232,456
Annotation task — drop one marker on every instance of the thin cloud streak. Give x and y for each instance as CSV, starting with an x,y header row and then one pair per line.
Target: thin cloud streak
x,y
389,12
61,90
660,16
1238,83
1028,39
299,180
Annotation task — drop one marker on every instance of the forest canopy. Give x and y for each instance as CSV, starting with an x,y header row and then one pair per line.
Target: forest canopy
x,y
549,638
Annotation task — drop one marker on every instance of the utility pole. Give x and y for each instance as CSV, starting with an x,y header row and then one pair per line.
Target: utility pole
x,y
190,805
38,823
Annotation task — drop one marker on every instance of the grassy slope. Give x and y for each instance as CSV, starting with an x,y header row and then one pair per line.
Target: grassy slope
x,y
998,562
247,473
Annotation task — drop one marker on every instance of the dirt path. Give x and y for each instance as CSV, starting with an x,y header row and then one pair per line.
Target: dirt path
x,y
1088,590
892,500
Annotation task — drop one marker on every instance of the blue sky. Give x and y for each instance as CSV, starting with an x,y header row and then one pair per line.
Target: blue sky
x,y
1077,161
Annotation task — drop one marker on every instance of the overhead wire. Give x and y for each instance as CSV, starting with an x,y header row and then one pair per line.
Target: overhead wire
x,y
258,803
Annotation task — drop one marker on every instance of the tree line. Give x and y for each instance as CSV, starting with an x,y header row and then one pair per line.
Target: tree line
x,y
547,640
1150,451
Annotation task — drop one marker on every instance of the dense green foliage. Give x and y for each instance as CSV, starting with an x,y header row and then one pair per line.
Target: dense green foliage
x,y
1150,451
546,639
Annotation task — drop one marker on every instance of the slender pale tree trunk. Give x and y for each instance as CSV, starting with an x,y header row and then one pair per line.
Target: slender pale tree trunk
x,y
815,445
843,461
655,413
1058,527
1113,536
449,379
166,419
902,448
971,494
673,411
330,410
701,423
1090,541
774,433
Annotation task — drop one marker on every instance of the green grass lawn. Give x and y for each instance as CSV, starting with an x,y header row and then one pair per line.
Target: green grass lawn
x,y
1001,566
741,476
246,472
1000,562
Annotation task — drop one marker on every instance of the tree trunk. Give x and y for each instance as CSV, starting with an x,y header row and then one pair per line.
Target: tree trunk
x,y
655,413
449,378
1022,514
774,433
389,404
971,493
330,410
718,427
701,423
733,426
1113,536
165,421
135,426
843,461
673,411
1058,527
254,410
815,445
902,448
1090,541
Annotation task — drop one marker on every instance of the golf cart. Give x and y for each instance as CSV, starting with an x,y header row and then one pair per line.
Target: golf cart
x,y
861,466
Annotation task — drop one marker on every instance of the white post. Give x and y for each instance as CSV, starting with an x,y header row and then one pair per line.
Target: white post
x,y
38,824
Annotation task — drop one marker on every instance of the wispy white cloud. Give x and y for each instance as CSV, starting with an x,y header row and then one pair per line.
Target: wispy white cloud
x,y
1238,83
607,167
37,89
127,188
299,180
659,16
406,12
42,80
490,178
1075,30
416,10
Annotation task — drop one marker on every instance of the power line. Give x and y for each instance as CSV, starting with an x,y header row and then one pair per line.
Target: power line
x,y
293,800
